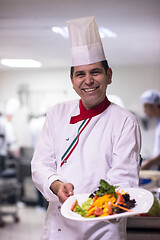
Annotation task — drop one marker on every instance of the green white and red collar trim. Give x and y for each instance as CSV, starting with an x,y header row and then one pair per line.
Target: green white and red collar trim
x,y
74,143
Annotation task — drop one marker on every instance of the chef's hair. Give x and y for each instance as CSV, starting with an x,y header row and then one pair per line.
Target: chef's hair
x,y
104,65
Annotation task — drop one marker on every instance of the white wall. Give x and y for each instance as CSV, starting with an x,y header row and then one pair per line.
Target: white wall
x,y
130,82
40,82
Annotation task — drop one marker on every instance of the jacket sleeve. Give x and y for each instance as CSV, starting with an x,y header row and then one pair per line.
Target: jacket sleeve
x,y
124,171
44,163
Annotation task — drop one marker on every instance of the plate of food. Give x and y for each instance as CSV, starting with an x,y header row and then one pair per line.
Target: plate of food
x,y
106,203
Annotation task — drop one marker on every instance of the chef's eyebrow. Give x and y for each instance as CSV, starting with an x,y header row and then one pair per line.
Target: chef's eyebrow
x,y
92,70
79,73
96,70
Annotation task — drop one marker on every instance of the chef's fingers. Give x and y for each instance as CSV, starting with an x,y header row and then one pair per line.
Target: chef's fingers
x,y
69,189
65,190
62,195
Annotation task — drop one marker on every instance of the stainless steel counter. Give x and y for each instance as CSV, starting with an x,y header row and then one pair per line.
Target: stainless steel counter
x,y
143,228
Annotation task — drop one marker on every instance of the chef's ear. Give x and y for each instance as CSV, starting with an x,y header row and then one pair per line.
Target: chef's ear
x,y
71,77
71,74
72,80
109,75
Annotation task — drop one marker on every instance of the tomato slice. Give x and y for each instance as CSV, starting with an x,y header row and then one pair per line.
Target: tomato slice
x,y
98,211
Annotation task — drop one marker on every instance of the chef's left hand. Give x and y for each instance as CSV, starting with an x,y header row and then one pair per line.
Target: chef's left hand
x,y
62,190
65,191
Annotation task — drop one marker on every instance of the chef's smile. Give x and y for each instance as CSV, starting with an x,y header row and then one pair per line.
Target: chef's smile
x,y
90,83
88,90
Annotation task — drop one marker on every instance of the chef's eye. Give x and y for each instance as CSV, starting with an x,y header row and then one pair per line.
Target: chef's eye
x,y
95,73
80,75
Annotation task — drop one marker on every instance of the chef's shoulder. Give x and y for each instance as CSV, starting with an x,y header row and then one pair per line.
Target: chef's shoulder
x,y
63,109
122,116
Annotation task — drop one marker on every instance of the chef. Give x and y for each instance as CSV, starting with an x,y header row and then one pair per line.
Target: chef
x,y
151,105
84,141
7,139
3,139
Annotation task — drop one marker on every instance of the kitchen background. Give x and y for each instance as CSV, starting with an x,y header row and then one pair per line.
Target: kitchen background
x,y
35,29
40,89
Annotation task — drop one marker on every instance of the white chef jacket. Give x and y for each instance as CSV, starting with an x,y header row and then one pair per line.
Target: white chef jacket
x,y
156,148
108,148
6,135
35,128
3,137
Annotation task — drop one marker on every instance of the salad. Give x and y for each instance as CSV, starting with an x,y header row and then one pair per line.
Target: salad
x,y
107,200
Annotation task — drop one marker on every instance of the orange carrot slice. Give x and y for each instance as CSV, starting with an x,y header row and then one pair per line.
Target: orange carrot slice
x,y
74,205
125,209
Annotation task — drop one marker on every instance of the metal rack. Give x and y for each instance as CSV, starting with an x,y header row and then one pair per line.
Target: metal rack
x,y
10,190
9,195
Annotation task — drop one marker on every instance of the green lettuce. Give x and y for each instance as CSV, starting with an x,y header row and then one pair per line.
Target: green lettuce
x,y
106,188
85,205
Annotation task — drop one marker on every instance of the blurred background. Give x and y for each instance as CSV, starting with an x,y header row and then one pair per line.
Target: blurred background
x,y
36,30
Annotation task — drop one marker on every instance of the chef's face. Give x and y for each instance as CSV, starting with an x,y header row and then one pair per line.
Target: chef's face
x,y
90,83
149,110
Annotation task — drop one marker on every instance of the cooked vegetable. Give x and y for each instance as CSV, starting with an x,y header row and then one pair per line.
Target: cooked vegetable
x,y
110,208
87,204
74,205
105,188
98,211
103,202
120,199
82,210
123,208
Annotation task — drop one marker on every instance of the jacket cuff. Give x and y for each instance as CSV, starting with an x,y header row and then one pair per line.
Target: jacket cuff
x,y
49,195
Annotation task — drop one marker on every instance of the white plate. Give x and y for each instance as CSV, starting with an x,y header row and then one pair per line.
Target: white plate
x,y
144,200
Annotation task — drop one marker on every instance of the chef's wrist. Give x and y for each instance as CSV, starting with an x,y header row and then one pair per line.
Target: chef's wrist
x,y
55,186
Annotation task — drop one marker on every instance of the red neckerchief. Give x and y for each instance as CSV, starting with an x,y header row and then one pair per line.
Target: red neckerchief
x,y
85,114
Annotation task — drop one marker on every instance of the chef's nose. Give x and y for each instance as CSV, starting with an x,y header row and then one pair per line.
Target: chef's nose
x,y
89,79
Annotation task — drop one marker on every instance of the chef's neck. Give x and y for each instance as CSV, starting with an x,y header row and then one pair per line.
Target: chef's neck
x,y
92,105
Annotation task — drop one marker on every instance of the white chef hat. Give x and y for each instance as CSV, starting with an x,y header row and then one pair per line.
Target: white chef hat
x,y
86,45
12,105
151,97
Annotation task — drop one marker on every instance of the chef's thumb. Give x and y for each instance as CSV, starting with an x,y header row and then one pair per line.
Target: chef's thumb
x,y
69,189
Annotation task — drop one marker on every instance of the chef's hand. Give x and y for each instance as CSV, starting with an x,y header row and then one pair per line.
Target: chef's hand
x,y
62,190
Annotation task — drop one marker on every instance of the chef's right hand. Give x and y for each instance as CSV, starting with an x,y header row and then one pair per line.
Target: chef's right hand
x,y
62,190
